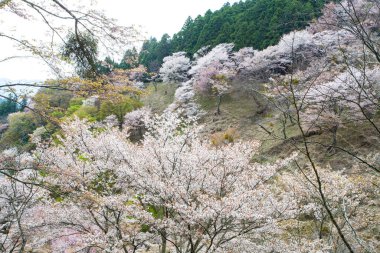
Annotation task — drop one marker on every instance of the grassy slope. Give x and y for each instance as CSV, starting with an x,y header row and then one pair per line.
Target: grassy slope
x,y
158,100
239,111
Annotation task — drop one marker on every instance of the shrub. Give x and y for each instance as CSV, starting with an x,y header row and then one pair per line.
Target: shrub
x,y
221,138
118,107
87,112
21,125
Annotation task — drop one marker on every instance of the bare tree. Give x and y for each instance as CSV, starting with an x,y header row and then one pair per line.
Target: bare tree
x,y
58,19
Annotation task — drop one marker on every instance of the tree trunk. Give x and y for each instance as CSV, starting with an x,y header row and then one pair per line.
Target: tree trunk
x,y
261,107
163,244
284,122
218,105
334,131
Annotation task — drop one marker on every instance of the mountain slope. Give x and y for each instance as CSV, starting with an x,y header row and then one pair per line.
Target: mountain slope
x,y
252,23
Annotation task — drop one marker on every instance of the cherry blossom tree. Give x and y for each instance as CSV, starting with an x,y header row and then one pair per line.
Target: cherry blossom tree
x,y
134,123
91,200
336,89
201,194
184,100
345,195
175,68
173,191
194,197
95,189
295,48
19,193
212,71
351,96
358,17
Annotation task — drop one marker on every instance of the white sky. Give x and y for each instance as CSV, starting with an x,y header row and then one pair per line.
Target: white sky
x,y
159,16
155,16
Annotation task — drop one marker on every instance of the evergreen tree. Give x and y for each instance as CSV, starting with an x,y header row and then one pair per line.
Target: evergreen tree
x,y
130,59
10,105
82,49
250,23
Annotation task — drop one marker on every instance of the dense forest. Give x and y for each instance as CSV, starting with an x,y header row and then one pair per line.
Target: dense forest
x,y
251,23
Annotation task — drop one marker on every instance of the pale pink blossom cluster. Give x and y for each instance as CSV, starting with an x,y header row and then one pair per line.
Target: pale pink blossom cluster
x,y
17,198
352,95
220,55
173,182
104,193
137,117
346,196
175,68
211,71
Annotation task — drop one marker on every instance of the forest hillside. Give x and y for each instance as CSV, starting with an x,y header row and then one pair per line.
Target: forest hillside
x,y
251,23
227,148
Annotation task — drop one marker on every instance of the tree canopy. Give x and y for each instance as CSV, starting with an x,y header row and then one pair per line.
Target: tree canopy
x,y
250,23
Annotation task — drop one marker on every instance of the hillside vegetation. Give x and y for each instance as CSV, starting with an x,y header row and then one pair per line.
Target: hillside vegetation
x,y
227,149
250,23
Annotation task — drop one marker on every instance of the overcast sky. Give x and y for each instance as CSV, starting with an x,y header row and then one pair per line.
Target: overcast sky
x,y
158,16
155,17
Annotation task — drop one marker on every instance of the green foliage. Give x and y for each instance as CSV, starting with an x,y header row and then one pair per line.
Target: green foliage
x,y
130,59
87,112
58,114
252,23
76,101
145,228
21,125
52,103
72,109
82,49
51,99
61,103
153,52
105,67
104,183
119,108
10,105
74,105
157,212
57,193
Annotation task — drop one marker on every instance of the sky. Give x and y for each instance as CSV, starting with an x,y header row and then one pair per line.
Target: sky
x,y
159,16
155,18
